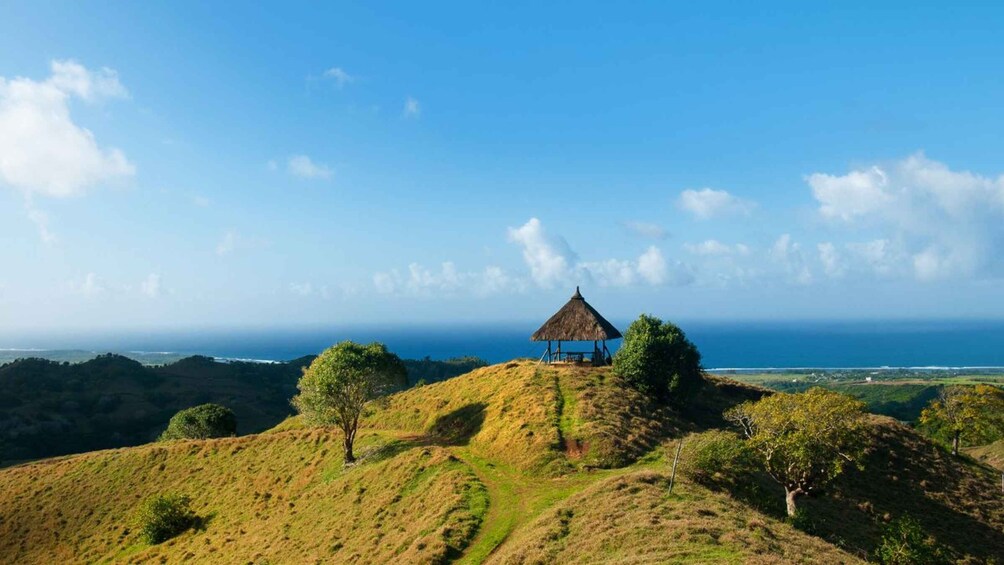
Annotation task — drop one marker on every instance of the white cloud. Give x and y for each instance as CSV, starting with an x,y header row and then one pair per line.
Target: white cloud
x,y
422,281
306,289
41,221
935,222
646,229
44,152
713,247
151,285
90,285
833,265
72,77
412,109
855,194
228,243
789,255
201,201
550,258
553,263
303,167
708,203
609,272
652,266
338,75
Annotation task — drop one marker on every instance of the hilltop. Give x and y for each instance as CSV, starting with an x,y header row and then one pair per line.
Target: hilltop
x,y
513,463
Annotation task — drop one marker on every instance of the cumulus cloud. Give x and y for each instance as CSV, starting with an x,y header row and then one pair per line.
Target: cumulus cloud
x,y
789,255
150,286
306,289
44,152
713,247
550,258
339,76
707,203
833,264
303,167
90,285
412,109
646,229
553,263
652,266
933,221
447,279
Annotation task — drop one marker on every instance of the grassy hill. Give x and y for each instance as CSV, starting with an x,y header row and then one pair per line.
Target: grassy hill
x,y
512,463
53,408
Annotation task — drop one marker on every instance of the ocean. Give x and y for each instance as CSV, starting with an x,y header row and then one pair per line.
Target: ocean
x,y
723,345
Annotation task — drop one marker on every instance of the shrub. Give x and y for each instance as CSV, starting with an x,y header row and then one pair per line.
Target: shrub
x,y
904,542
658,359
201,422
164,516
714,455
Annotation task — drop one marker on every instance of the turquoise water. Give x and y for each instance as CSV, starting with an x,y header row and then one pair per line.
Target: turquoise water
x,y
723,345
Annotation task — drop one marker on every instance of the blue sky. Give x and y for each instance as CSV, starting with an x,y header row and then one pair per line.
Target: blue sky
x,y
178,164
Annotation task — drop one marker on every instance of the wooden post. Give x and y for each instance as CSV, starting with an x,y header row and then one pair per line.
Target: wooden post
x,y
672,478
548,351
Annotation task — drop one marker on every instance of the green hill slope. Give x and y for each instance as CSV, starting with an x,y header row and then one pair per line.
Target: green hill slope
x,y
513,463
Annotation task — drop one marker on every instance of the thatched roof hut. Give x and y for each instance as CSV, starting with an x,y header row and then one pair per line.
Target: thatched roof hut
x,y
576,321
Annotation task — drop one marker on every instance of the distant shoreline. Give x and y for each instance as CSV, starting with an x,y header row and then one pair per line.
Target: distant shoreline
x,y
164,357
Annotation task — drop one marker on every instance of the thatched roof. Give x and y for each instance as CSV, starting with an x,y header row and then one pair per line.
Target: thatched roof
x,y
576,321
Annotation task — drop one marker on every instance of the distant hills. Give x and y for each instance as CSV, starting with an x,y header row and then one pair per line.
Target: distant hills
x,y
52,408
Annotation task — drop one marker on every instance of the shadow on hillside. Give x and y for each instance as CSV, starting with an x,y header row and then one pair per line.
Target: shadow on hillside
x,y
460,425
716,395
956,502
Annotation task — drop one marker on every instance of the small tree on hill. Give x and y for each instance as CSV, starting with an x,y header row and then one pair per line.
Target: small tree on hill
x,y
201,422
336,388
658,359
971,413
802,440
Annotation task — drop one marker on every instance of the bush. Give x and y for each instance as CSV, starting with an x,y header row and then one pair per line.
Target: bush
x,y
658,359
714,455
201,422
904,542
164,516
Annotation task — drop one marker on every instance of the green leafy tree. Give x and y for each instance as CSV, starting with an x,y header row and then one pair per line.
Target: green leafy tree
x,y
802,440
658,359
163,516
971,413
201,422
337,387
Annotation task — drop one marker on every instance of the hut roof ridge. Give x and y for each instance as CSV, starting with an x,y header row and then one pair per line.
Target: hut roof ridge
x,y
576,321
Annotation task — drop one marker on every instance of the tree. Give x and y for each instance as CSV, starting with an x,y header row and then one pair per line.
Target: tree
x,y
973,413
201,422
658,359
338,385
802,440
164,516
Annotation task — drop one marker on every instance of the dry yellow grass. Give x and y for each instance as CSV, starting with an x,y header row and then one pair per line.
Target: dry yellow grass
x,y
536,418
632,519
279,498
